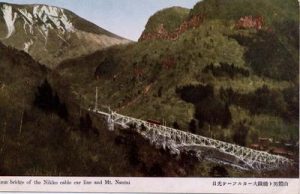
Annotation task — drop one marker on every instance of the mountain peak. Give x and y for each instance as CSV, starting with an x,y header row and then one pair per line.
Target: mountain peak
x,y
170,17
51,34
46,17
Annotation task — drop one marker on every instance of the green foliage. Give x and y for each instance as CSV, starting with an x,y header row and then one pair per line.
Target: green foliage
x,y
215,42
265,101
213,111
210,44
107,67
86,125
171,18
19,77
209,108
271,10
291,98
268,57
226,70
195,94
289,30
193,126
241,134
273,55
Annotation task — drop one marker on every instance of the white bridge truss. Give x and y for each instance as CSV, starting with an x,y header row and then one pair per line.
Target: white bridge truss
x,y
178,141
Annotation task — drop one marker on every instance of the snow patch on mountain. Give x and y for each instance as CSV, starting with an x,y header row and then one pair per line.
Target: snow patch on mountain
x,y
27,45
28,20
41,17
10,19
51,18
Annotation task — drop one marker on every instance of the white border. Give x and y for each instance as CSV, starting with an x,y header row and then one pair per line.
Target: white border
x,y
152,185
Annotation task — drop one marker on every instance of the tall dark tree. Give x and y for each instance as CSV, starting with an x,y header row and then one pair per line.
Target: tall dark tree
x,y
241,133
86,123
227,116
195,94
88,120
44,97
160,91
212,111
176,125
291,97
193,126
63,111
55,101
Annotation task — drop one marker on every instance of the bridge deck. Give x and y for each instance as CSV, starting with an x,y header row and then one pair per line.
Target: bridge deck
x,y
178,141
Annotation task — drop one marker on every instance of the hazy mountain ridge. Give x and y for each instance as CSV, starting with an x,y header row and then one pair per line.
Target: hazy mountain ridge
x,y
51,34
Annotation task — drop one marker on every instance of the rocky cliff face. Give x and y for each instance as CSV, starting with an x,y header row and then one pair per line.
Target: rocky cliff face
x,y
51,34
246,22
162,33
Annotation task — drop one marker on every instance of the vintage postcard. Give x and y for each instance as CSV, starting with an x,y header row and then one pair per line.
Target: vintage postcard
x,y
149,96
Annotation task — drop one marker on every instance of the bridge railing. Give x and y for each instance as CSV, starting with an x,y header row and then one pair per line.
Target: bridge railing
x,y
254,159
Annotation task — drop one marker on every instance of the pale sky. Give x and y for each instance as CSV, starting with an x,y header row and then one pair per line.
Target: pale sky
x,y
126,18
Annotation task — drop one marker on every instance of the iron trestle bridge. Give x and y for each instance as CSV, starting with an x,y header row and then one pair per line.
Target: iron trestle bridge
x,y
178,141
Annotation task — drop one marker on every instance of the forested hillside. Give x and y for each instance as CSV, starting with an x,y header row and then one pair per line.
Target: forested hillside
x,y
226,69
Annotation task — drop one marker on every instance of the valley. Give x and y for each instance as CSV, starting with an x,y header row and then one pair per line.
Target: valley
x,y
221,70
